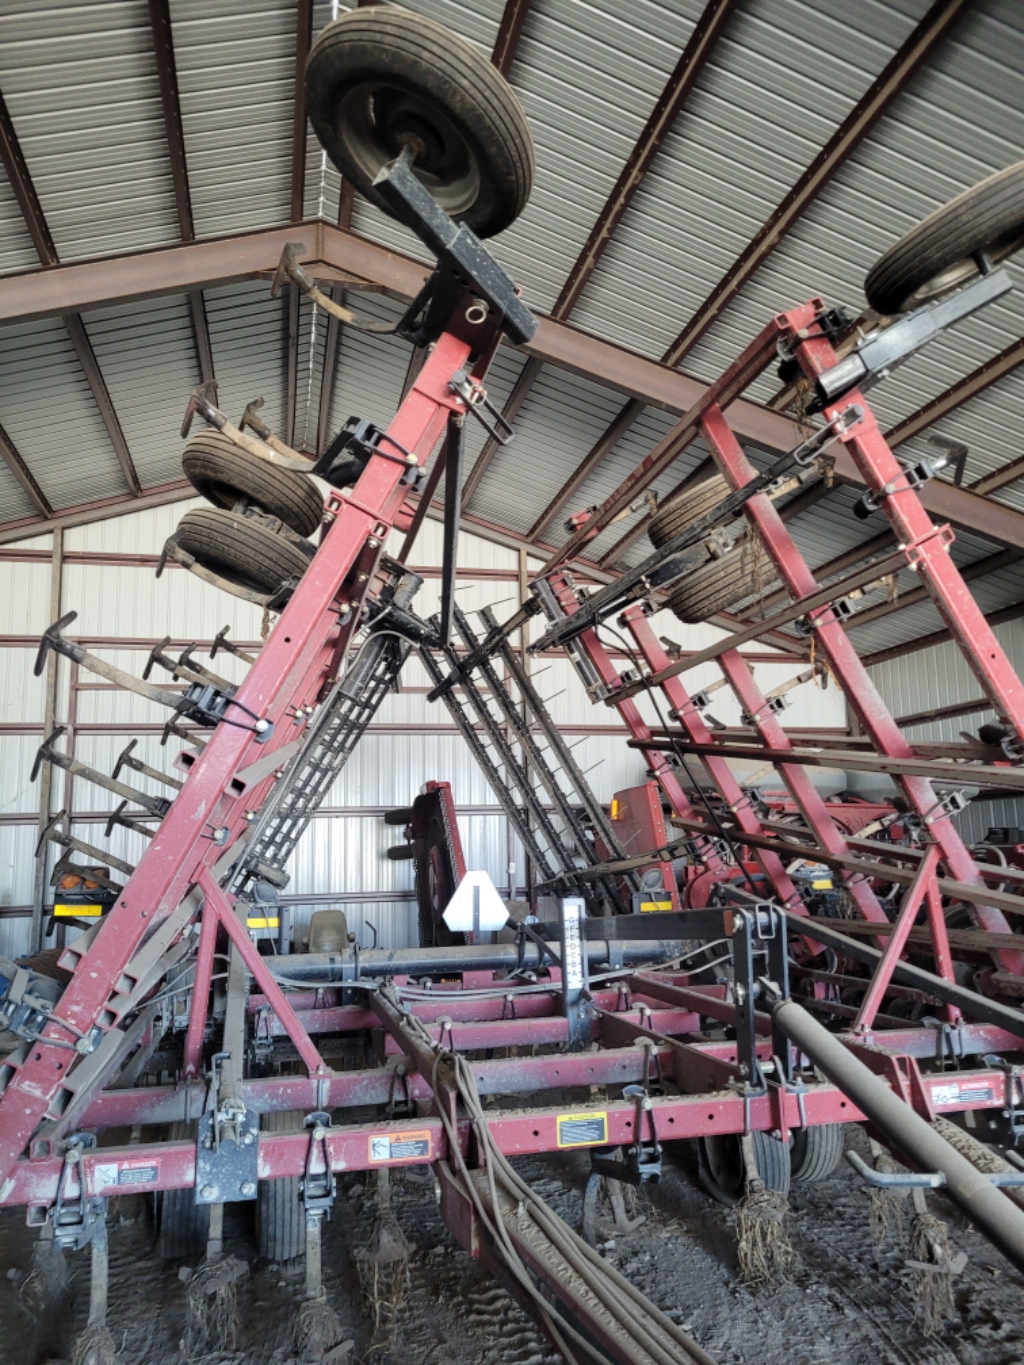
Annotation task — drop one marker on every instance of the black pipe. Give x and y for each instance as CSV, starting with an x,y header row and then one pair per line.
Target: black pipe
x,y
997,1217
447,961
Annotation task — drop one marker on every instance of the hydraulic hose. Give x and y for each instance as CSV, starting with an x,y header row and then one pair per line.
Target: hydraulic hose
x,y
996,1216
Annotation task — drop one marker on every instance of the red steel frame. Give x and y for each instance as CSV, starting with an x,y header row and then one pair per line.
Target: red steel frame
x,y
210,810
642,1024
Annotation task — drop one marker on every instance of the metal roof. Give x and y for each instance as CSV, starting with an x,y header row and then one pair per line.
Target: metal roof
x,y
80,81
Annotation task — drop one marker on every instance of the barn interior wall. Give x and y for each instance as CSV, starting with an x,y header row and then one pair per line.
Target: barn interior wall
x,y
123,610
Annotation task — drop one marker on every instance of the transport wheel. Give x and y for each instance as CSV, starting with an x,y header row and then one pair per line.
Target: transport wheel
x,y
182,1225
816,1152
221,473
381,78
720,583
240,550
723,1170
686,508
940,252
280,1212
715,586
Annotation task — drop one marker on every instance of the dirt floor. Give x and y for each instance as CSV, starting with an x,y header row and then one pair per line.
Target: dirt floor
x,y
850,1303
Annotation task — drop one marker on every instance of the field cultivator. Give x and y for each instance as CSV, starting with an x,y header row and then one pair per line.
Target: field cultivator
x,y
745,964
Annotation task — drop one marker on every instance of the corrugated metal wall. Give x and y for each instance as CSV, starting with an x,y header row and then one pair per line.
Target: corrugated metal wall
x,y
123,609
938,677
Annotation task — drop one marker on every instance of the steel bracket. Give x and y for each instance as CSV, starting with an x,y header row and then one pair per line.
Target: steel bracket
x,y
318,1187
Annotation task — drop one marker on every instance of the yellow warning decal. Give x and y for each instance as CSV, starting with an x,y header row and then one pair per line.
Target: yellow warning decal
x,y
583,1130
400,1146
78,911
647,906
263,922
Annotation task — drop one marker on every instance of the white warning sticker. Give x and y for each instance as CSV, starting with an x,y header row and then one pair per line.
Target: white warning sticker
x,y
400,1146
130,1171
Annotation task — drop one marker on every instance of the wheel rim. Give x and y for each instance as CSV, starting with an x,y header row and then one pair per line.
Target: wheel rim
x,y
376,120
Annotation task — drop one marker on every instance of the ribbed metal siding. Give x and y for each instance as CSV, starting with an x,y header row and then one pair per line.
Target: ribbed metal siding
x,y
236,77
146,352
49,411
588,77
249,338
80,81
940,677
782,78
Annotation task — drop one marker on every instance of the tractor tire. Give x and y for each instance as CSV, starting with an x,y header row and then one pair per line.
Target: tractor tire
x,y
380,77
938,254
723,1172
687,507
816,1152
240,550
280,1212
222,473
182,1225
720,583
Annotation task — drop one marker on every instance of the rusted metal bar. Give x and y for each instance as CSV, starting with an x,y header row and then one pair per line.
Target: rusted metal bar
x,y
990,564
823,598
986,374
303,39
15,463
510,30
926,37
174,132
939,637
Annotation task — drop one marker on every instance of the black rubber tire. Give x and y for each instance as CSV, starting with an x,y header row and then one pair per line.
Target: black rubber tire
x,y
398,817
722,1169
935,256
222,473
686,508
400,853
280,1212
816,1152
239,549
720,583
422,74
183,1226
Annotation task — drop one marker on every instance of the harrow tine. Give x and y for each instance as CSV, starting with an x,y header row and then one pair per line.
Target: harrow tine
x,y
116,817
125,760
53,638
187,667
51,835
221,641
158,805
157,656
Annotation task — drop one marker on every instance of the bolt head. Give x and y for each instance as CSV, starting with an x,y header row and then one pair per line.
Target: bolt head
x,y
247,1188
208,1191
261,725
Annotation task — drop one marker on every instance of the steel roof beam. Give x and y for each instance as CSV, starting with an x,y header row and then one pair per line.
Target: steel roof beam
x,y
12,458
938,637
90,365
703,39
332,253
847,137
981,567
303,41
84,513
174,133
955,396
35,220
510,30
